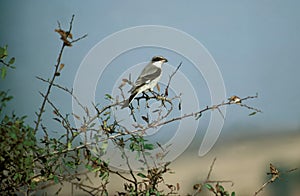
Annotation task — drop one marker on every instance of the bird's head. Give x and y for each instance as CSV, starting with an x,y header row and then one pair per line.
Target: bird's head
x,y
159,59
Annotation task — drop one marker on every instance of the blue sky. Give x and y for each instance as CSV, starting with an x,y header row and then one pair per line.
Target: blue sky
x,y
256,45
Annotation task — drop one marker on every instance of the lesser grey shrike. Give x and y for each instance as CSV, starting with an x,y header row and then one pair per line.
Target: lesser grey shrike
x,y
148,78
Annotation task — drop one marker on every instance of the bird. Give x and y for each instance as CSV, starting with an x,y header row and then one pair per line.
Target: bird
x,y
235,99
148,78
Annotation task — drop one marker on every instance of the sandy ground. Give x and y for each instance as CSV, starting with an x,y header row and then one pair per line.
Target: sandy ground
x,y
245,162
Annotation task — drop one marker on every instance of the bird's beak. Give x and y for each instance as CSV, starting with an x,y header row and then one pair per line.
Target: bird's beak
x,y
165,60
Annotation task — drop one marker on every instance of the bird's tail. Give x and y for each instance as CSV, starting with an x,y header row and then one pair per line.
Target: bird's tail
x,y
129,100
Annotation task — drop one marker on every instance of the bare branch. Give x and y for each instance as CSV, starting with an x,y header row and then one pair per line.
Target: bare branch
x,y
60,150
275,175
210,169
170,78
64,89
80,38
54,76
198,187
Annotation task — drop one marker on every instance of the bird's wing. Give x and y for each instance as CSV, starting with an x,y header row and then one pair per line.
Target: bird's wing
x,y
148,74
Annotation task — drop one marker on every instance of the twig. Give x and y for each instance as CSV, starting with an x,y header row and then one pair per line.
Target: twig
x,y
4,63
42,108
64,89
263,186
80,38
220,181
170,78
141,130
250,108
130,169
54,76
275,175
65,123
209,108
119,174
210,169
291,170
199,187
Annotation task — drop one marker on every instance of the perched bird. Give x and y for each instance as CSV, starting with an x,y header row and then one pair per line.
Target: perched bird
x,y
148,78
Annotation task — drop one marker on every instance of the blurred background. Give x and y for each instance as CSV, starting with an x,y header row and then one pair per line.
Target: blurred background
x,y
255,44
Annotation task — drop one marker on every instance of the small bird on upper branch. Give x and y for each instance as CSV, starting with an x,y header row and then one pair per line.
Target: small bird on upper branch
x,y
148,78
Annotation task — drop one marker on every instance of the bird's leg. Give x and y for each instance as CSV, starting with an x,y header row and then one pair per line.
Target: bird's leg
x,y
138,104
147,98
145,95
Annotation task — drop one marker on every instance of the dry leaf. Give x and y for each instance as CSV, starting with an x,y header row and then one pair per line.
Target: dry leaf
x,y
158,87
70,36
60,32
61,66
235,99
76,116
166,92
64,36
178,186
122,84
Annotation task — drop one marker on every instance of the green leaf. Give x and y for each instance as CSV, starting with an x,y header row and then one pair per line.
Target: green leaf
x,y
28,161
148,146
253,113
89,167
55,178
33,185
209,187
71,165
28,143
12,60
104,175
233,194
108,96
13,135
96,169
221,188
104,146
3,52
17,176
142,175
3,72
